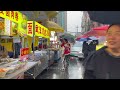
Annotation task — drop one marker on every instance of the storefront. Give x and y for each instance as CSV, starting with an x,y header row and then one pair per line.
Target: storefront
x,y
19,46
54,39
14,31
39,34
12,34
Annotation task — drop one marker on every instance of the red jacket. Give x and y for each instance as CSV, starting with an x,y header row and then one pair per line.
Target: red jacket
x,y
67,49
62,44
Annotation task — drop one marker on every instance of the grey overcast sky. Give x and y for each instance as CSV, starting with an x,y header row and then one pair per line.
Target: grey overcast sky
x,y
74,19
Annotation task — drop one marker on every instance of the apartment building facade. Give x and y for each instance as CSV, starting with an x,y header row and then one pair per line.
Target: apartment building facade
x,y
62,19
88,24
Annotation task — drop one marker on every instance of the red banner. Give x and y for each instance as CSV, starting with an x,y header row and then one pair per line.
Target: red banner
x,y
24,53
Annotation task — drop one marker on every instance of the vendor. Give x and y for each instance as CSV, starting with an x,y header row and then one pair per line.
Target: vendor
x,y
3,52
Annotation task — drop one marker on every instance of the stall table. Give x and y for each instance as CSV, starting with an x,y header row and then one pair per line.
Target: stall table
x,y
19,74
42,59
57,54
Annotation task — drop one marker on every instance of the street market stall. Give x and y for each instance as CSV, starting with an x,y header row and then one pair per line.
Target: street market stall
x,y
38,34
14,70
19,52
13,55
54,46
54,39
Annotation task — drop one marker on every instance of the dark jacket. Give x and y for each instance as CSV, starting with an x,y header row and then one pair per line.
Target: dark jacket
x,y
101,65
85,49
92,46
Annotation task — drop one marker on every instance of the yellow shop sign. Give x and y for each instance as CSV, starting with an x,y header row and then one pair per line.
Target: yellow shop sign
x,y
41,31
30,28
11,15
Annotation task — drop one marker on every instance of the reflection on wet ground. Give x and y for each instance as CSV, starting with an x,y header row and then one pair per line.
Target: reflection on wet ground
x,y
74,71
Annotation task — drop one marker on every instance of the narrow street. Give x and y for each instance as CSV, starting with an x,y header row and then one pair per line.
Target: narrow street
x,y
74,71
59,44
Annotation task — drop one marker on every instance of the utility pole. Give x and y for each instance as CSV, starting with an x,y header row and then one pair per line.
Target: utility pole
x,y
77,30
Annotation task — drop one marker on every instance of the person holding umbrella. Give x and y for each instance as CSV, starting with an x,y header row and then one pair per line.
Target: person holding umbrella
x,y
105,63
65,53
87,47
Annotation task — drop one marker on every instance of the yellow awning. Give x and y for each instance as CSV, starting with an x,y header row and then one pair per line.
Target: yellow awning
x,y
52,26
51,14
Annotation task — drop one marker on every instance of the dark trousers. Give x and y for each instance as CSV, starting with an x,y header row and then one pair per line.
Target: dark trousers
x,y
17,47
67,59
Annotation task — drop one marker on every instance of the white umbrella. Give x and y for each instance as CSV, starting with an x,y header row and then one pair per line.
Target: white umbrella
x,y
93,38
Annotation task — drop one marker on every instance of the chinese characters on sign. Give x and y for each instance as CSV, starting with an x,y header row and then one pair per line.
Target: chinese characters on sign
x,y
38,31
30,28
11,15
36,28
24,53
17,18
41,30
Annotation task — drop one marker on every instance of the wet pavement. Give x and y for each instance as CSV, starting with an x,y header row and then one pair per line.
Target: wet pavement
x,y
74,71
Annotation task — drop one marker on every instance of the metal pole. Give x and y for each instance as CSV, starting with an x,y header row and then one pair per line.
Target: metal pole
x,y
33,39
77,30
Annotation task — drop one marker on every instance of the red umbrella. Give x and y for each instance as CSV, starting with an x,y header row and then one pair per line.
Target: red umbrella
x,y
101,28
101,31
98,31
83,36
90,33
95,33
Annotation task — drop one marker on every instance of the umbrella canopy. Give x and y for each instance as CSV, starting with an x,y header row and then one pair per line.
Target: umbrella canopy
x,y
105,17
90,33
101,31
84,39
52,26
83,36
69,37
93,38
95,33
101,28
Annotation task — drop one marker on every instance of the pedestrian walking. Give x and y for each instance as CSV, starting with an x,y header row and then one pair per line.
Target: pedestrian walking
x,y
105,63
65,54
85,49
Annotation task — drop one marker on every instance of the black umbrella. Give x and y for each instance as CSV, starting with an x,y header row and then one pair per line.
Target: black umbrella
x,y
105,17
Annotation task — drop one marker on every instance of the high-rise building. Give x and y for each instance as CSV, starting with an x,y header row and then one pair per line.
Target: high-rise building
x,y
62,19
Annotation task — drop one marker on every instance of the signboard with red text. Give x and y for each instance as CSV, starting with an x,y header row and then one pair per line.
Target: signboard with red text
x,y
24,53
40,30
30,28
11,15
